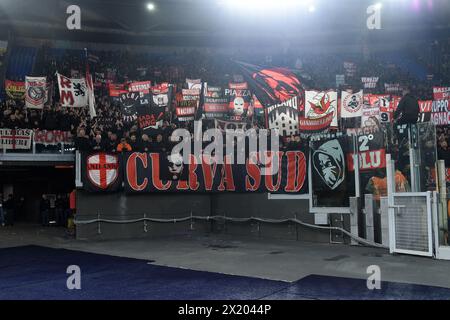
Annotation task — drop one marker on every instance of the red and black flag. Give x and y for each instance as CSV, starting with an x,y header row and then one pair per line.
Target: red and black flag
x,y
272,85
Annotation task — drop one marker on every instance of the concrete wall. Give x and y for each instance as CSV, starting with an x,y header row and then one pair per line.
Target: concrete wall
x,y
117,206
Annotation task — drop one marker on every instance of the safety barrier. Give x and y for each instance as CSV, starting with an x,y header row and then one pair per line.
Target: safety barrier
x,y
145,219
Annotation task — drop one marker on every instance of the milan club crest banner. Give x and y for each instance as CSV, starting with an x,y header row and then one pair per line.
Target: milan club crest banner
x,y
239,98
15,139
272,86
144,172
72,92
351,104
441,93
284,117
331,182
35,92
101,171
318,104
15,89
369,82
52,137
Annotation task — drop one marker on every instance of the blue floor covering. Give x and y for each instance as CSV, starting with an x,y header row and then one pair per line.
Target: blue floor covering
x,y
33,272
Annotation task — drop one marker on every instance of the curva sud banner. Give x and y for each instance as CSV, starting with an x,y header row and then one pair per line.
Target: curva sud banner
x,y
149,172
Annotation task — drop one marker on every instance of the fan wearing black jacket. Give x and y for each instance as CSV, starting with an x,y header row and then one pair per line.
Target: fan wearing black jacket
x,y
407,110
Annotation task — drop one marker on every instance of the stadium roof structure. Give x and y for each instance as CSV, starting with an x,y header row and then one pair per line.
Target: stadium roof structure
x,y
199,22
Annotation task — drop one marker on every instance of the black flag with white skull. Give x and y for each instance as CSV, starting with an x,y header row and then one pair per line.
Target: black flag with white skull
x,y
129,101
330,181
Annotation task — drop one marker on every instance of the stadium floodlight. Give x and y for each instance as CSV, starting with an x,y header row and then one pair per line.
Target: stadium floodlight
x,y
378,5
151,6
259,5
311,8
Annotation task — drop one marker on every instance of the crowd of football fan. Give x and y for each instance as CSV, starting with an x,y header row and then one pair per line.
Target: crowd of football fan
x,y
109,132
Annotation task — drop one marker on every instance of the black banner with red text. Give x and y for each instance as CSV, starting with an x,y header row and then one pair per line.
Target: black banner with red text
x,y
150,172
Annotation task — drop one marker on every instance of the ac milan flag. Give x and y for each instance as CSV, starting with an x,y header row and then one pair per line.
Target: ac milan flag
x,y
272,85
35,92
72,92
351,104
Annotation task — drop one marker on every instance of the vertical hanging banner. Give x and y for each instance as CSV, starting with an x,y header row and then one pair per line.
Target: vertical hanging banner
x,y
351,104
372,163
129,103
330,182
239,98
319,104
150,116
375,108
284,117
215,103
35,92
160,99
185,110
72,92
441,93
186,104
